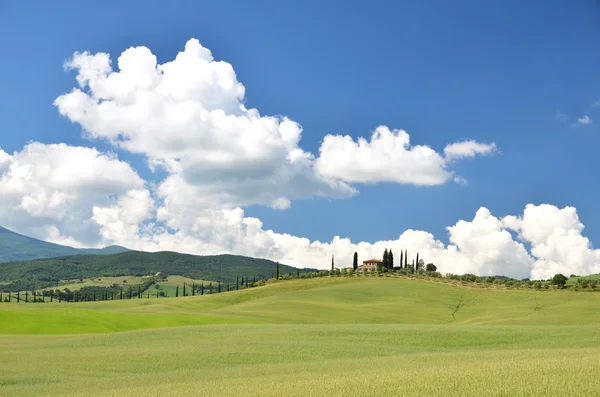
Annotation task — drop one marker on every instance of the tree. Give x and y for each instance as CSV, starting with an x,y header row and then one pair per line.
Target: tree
x,y
202,288
417,261
560,280
384,260
431,267
405,258
401,258
390,260
121,295
184,289
413,265
177,291
193,289
237,283
355,261
277,270
332,263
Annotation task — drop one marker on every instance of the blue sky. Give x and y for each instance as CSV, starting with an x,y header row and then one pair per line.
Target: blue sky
x,y
443,72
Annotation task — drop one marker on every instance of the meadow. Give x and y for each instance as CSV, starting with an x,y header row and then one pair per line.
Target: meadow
x,y
311,337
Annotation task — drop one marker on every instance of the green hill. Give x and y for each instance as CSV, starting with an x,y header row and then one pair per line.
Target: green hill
x,y
44,273
359,336
16,247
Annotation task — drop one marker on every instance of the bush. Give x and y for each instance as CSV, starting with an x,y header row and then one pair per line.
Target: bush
x,y
468,277
430,267
559,280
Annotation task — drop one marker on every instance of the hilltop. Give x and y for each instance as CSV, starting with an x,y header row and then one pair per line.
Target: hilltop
x,y
16,247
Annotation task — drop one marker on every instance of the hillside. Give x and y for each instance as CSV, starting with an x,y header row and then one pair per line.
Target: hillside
x,y
358,300
16,247
361,336
43,273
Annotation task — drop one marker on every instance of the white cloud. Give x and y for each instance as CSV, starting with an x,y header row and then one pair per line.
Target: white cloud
x,y
556,241
48,190
585,120
188,116
561,116
468,149
389,157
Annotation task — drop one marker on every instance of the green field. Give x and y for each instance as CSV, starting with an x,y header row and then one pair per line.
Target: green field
x,y
332,336
74,285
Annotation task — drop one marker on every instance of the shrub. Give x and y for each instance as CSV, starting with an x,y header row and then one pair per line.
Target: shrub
x,y
468,277
559,280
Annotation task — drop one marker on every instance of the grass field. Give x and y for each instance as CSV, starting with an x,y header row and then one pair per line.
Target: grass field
x,y
74,285
340,336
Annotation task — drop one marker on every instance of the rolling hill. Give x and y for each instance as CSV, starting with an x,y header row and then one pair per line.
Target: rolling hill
x,y
44,273
16,247
346,336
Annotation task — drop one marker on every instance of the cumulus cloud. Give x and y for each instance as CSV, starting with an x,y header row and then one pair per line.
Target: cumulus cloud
x,y
188,117
585,120
48,190
389,157
556,241
468,149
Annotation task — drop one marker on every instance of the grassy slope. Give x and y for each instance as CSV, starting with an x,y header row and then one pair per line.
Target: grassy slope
x,y
16,247
351,337
318,301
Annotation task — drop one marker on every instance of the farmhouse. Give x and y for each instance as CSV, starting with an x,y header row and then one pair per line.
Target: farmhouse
x,y
371,264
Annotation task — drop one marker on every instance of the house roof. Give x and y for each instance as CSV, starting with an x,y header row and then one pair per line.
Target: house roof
x,y
373,261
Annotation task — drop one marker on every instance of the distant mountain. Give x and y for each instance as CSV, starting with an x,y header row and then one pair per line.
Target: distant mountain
x,y
44,273
16,247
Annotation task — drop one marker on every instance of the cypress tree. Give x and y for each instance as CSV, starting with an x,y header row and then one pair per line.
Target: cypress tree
x,y
177,291
227,287
139,292
390,260
193,289
130,292
202,288
184,289
385,259
219,287
417,262
355,261
246,282
405,258
277,270
121,294
50,298
18,297
26,297
413,266
401,259
237,283
332,263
